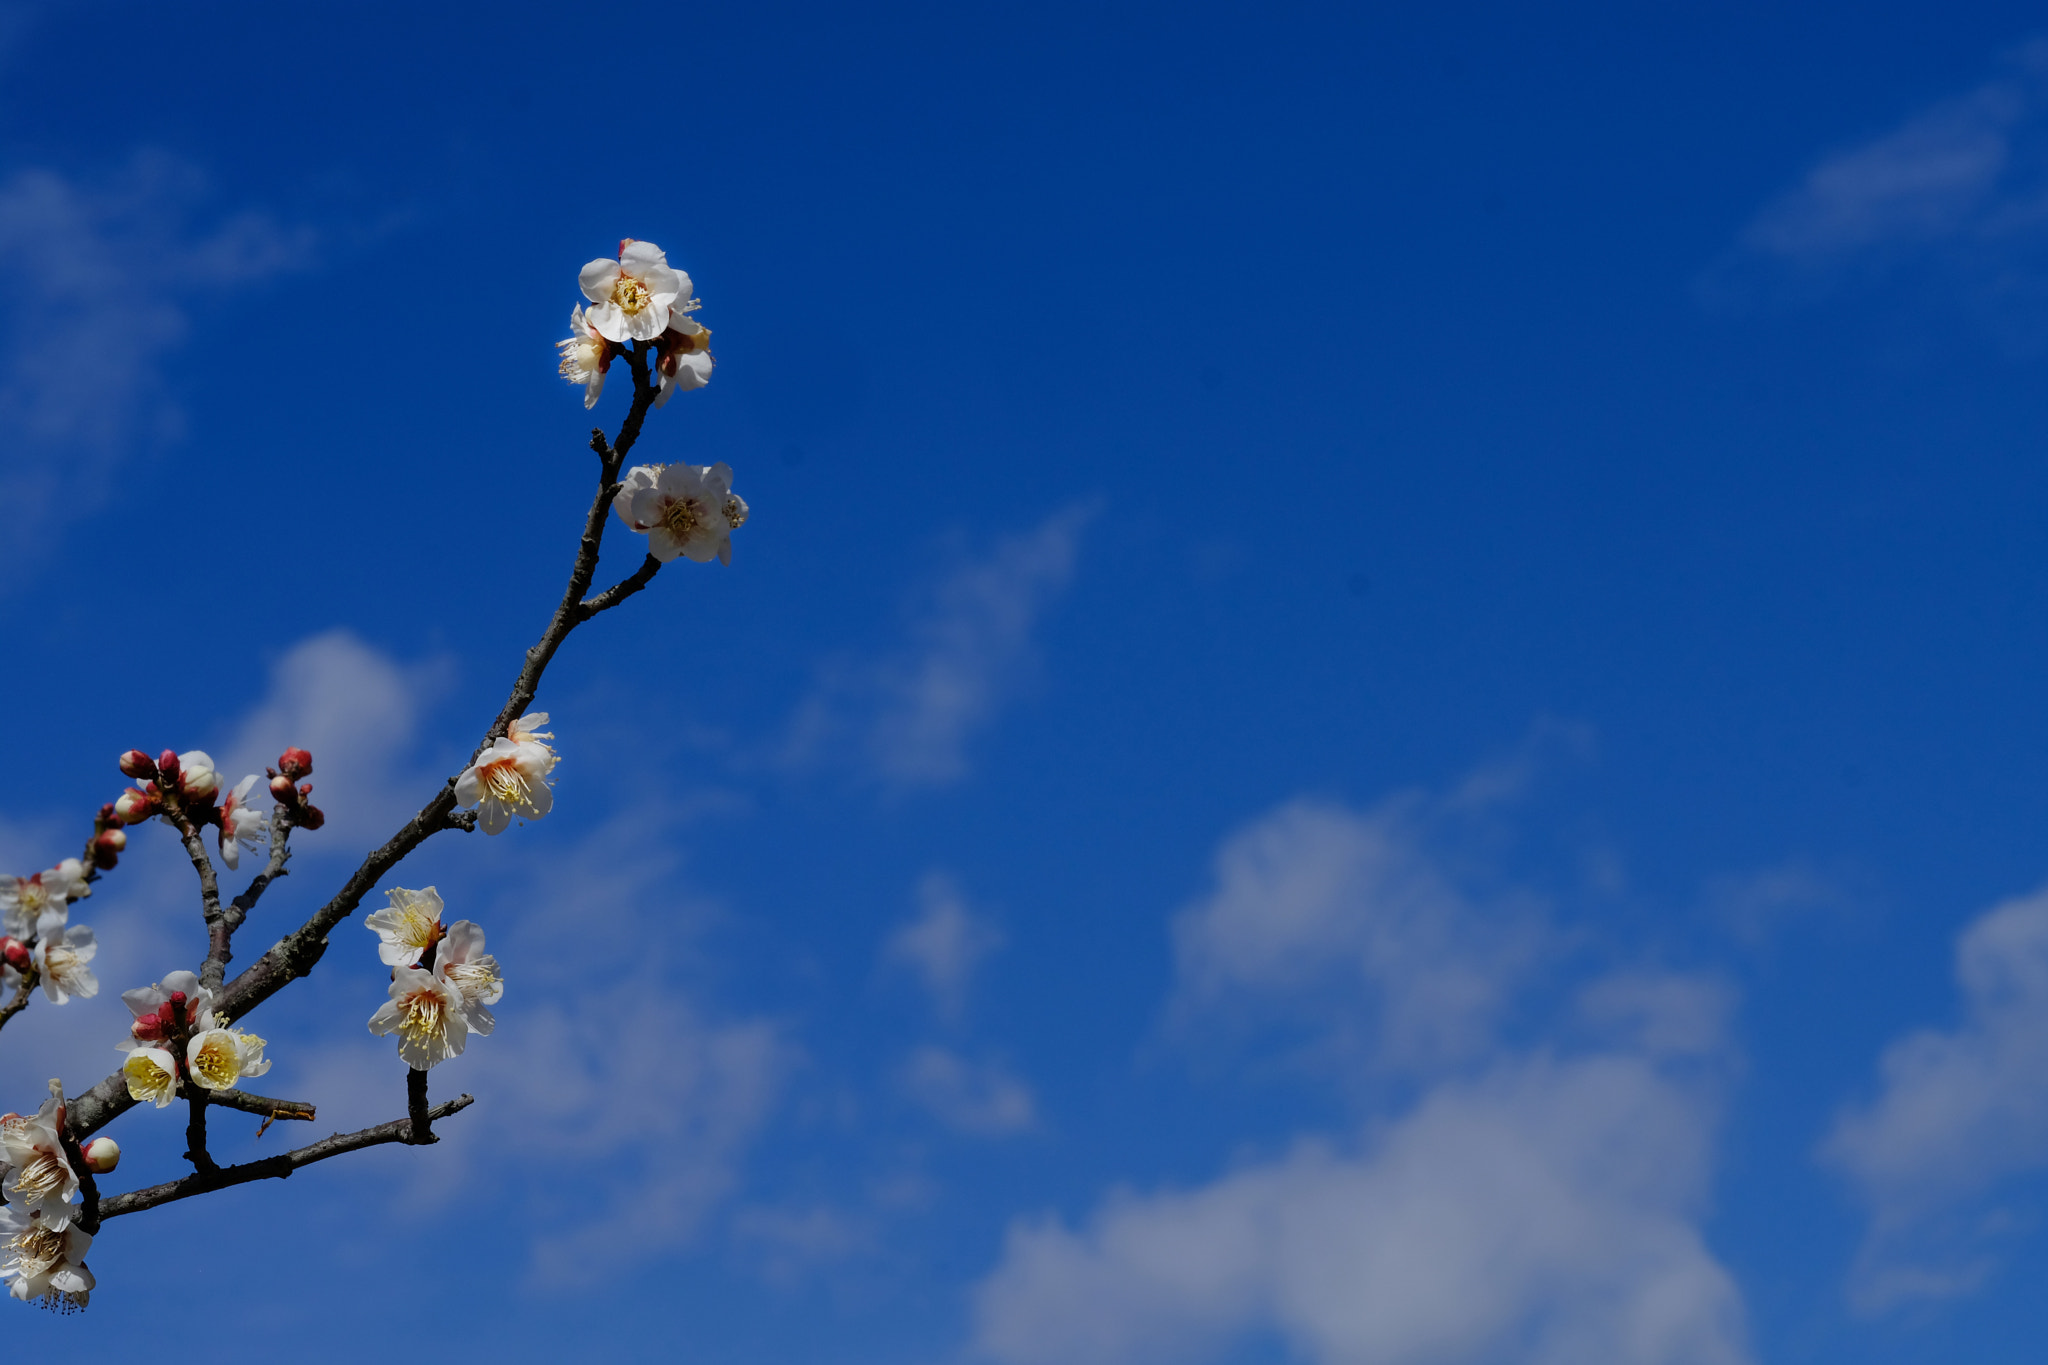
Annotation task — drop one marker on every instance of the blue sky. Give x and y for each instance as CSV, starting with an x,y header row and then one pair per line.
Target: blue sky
x,y
1381,706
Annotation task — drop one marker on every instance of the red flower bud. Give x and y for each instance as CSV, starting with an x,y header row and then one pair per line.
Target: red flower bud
x,y
282,789
136,763
113,840
107,816
310,817
104,858
16,954
136,805
167,764
147,1029
295,764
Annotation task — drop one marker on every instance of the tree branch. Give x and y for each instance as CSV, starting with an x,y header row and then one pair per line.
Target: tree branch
x,y
261,1104
274,1167
221,932
298,952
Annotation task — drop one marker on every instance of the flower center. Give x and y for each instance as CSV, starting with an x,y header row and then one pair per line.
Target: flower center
x,y
473,979
219,1062
682,517
43,1175
507,786
735,513
631,295
422,1017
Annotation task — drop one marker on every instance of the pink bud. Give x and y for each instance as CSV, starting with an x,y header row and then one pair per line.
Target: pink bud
x,y
136,763
310,817
107,816
295,764
114,840
102,1154
135,806
282,789
148,1029
16,954
167,765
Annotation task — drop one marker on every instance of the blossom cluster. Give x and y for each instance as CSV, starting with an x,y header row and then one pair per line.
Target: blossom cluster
x,y
639,297
35,912
443,983
42,1255
177,1040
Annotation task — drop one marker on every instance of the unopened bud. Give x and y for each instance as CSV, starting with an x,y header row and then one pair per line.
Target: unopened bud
x,y
114,840
104,859
107,816
282,789
102,1154
310,817
135,805
136,763
16,953
149,1028
167,765
295,764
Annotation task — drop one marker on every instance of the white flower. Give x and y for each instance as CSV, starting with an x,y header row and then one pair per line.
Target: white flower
x,y
426,1013
196,778
526,730
408,927
62,960
44,1260
510,779
219,1057
152,1075
241,824
67,879
39,1178
585,357
25,901
684,509
463,964
151,1006
684,359
631,298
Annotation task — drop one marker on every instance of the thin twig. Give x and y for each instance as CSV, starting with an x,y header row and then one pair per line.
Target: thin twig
x,y
619,591
195,1133
221,932
273,1167
261,1104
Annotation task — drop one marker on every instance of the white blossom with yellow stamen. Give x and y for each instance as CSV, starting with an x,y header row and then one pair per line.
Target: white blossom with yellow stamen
x,y
26,901
463,964
508,779
632,298
426,1012
242,825
682,509
44,1260
39,1176
62,958
407,927
585,357
152,1076
219,1057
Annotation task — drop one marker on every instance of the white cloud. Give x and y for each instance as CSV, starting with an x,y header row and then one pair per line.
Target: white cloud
x,y
1958,1112
1313,900
906,716
99,279
357,711
978,1098
944,944
1542,1213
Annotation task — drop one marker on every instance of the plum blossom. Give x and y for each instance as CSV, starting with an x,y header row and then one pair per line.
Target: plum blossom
x,y
463,964
509,778
682,509
102,1155
241,824
39,1176
27,903
683,357
633,297
44,1260
585,357
426,1012
152,1076
219,1057
62,959
155,1013
406,928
